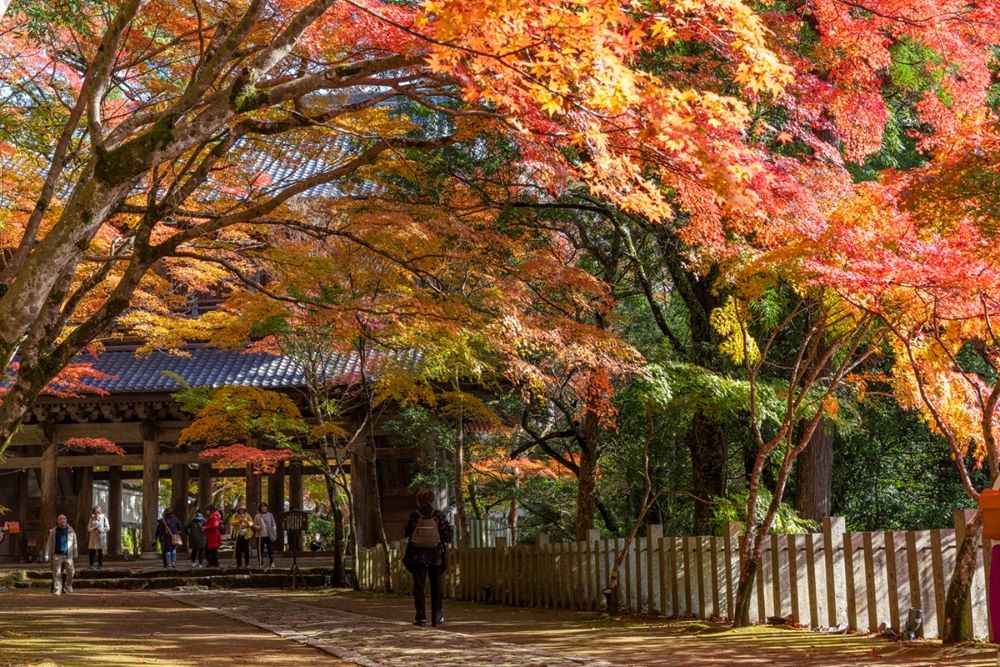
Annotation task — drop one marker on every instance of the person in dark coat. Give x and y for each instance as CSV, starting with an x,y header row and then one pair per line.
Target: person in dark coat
x,y
426,556
196,539
168,526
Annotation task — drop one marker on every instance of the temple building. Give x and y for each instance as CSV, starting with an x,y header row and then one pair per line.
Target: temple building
x,y
41,478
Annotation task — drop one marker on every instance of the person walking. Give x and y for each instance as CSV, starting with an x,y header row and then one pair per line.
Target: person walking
x,y
241,530
213,536
97,529
196,539
266,529
168,532
426,555
61,549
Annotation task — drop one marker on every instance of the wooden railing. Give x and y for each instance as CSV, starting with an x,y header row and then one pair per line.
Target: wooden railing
x,y
827,579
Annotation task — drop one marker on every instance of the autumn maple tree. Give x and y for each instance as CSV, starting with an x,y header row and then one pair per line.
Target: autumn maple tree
x,y
930,275
183,132
286,153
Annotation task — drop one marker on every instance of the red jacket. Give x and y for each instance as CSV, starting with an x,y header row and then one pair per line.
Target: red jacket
x,y
213,531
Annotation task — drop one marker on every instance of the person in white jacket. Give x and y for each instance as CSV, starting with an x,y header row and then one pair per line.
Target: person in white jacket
x,y
60,548
97,529
266,530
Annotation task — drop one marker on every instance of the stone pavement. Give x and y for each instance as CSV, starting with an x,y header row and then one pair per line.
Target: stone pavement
x,y
366,640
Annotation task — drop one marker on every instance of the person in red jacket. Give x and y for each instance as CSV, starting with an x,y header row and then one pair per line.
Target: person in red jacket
x,y
213,536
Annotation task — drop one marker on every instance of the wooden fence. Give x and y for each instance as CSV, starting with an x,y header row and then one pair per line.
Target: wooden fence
x,y
485,532
827,579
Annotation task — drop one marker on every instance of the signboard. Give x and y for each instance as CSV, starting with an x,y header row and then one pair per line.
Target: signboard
x,y
295,520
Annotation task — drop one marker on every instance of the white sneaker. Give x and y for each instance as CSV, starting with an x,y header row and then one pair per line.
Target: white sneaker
x,y
69,589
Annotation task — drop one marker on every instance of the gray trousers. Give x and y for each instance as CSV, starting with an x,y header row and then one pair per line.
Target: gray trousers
x,y
60,563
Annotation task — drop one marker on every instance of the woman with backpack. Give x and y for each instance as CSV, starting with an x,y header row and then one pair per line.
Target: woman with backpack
x,y
427,555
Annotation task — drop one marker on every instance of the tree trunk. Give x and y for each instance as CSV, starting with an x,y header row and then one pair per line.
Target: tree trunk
x,y
463,518
512,520
586,495
707,444
815,474
373,479
339,578
956,626
744,590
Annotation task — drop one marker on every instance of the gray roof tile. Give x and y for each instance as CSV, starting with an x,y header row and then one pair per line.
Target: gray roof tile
x,y
212,367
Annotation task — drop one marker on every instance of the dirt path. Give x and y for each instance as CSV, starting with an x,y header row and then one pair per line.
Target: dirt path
x,y
656,642
142,627
134,628
369,641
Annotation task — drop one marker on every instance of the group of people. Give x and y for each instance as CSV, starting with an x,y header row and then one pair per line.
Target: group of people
x,y
426,557
206,530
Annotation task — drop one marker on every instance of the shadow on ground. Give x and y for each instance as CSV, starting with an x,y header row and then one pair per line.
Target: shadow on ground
x,y
143,627
134,628
646,641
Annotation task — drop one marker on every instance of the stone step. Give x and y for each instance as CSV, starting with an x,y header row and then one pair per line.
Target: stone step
x,y
83,574
259,580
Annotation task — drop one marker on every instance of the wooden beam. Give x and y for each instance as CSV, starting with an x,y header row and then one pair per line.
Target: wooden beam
x,y
100,460
165,472
118,432
108,460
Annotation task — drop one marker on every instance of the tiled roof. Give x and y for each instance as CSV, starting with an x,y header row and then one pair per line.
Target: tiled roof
x,y
212,367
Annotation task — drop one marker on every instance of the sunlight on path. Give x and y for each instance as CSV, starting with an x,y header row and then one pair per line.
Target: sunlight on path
x,y
366,640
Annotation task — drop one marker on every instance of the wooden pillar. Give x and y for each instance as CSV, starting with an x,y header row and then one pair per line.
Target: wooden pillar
x,y
276,499
204,486
114,511
150,489
49,482
84,504
295,496
21,514
179,481
252,496
295,485
365,499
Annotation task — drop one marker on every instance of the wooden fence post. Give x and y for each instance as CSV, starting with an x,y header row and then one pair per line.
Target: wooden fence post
x,y
731,548
501,584
833,551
